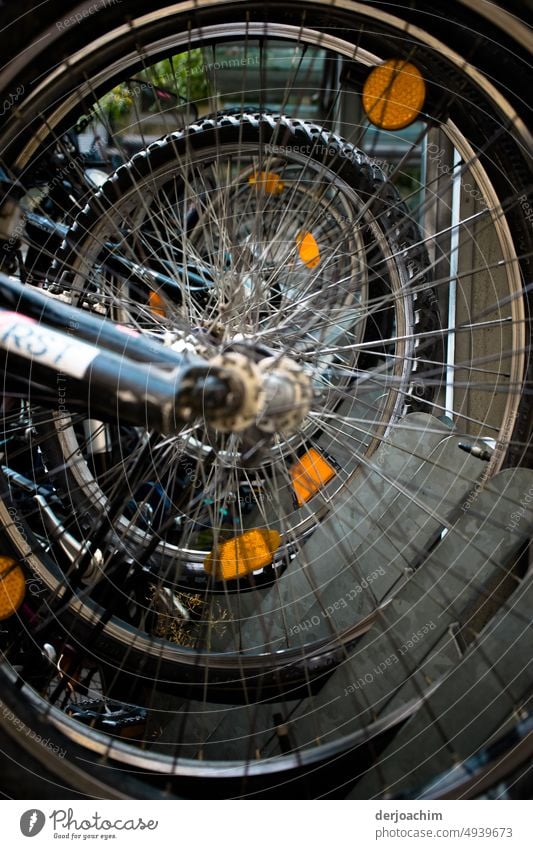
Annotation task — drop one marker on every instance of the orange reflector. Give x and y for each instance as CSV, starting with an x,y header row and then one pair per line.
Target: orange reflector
x,y
393,94
309,474
156,304
12,587
243,554
270,182
308,249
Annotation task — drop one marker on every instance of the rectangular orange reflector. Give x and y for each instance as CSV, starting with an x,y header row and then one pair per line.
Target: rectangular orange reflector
x,y
156,304
241,555
308,249
269,181
309,474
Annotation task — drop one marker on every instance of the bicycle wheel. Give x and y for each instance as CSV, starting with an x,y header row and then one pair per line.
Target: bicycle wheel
x,y
267,290
245,564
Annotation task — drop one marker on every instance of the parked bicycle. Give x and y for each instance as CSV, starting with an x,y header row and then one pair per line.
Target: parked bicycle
x,y
266,406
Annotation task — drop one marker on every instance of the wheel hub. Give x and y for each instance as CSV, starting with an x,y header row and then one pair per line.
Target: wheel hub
x,y
277,394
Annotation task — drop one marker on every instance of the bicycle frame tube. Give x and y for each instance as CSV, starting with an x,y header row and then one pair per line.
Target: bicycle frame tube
x,y
80,362
198,279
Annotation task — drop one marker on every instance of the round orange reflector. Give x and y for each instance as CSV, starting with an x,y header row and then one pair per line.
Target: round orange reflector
x,y
393,94
308,249
243,554
12,587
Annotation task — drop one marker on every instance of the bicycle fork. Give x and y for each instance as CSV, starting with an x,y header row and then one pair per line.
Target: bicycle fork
x,y
80,363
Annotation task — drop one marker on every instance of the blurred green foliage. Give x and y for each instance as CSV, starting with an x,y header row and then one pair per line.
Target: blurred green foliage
x,y
183,75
